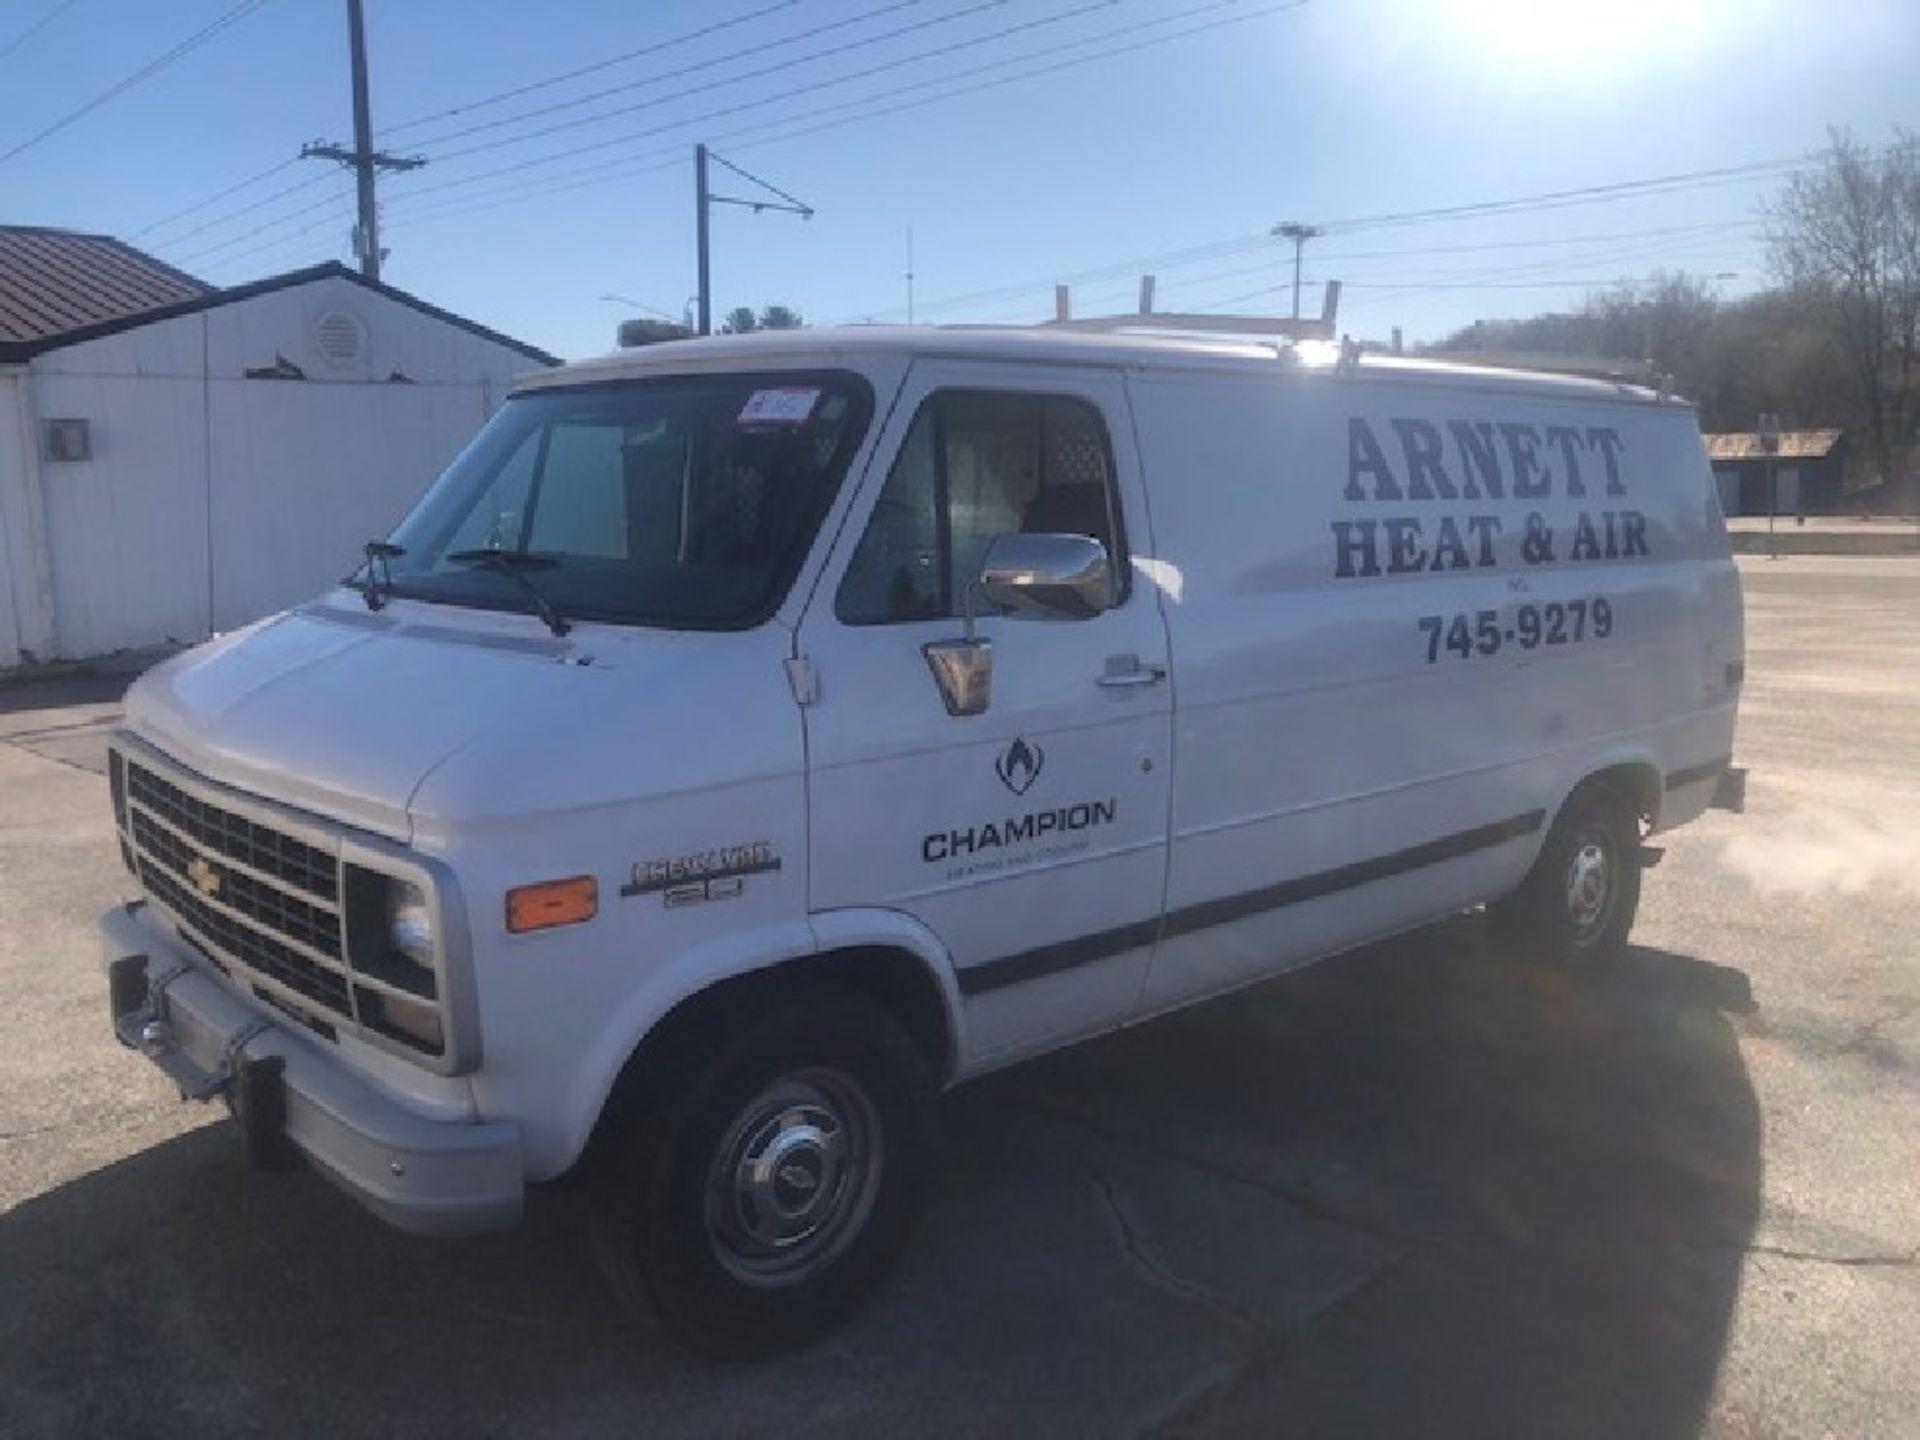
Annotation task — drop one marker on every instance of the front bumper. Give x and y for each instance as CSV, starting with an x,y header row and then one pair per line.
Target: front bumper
x,y
430,1177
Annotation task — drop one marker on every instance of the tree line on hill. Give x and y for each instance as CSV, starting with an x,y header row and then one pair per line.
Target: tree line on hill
x,y
1835,341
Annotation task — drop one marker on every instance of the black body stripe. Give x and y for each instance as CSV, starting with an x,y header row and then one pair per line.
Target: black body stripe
x,y
1693,774
1082,950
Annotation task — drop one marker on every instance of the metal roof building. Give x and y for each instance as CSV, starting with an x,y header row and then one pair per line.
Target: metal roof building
x,y
1804,476
55,281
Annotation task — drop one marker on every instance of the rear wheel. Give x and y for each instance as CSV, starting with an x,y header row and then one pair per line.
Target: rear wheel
x,y
757,1199
1578,901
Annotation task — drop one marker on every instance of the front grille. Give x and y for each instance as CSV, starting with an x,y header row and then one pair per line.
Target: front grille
x,y
270,909
277,918
303,866
243,944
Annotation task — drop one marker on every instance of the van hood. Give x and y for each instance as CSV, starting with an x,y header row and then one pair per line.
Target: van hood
x,y
345,713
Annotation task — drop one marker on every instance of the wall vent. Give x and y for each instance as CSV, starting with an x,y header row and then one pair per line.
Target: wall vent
x,y
339,337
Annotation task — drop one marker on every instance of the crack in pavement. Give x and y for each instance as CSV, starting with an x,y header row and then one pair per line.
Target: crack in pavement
x,y
1266,1343
1780,1252
1151,1270
33,1130
1462,1240
1310,1206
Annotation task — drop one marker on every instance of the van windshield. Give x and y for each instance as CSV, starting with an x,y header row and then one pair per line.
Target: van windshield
x,y
683,502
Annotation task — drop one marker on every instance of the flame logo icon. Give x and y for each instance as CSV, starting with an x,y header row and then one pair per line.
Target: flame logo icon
x,y
1020,766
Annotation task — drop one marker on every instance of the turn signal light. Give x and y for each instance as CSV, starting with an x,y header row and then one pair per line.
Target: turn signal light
x,y
552,902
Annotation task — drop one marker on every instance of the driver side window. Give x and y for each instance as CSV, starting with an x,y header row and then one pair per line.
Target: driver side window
x,y
976,465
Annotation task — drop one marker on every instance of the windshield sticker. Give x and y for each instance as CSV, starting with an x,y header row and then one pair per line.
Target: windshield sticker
x,y
787,406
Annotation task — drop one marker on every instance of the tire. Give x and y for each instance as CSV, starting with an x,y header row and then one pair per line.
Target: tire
x,y
1578,901
764,1189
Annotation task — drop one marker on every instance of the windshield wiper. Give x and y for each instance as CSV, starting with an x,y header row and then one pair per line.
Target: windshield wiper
x,y
379,582
514,564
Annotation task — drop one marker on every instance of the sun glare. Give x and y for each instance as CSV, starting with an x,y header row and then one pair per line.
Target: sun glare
x,y
1589,31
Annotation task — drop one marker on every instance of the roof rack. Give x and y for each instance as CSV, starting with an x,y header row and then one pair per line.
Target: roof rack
x,y
1259,327
1593,367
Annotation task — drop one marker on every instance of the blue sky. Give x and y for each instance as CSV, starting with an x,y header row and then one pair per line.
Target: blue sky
x,y
1169,135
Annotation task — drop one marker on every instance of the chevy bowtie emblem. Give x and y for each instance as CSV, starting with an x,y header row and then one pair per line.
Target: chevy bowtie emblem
x,y
1020,766
205,878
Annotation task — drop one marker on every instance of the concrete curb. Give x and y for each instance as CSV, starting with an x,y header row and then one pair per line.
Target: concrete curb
x,y
1792,540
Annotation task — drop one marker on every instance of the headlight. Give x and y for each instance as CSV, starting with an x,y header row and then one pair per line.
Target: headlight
x,y
391,938
409,923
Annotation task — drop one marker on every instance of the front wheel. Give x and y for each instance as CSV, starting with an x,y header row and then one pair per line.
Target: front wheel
x,y
1578,901
758,1198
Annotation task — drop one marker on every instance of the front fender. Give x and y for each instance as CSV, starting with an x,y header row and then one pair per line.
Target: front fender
x,y
897,930
725,958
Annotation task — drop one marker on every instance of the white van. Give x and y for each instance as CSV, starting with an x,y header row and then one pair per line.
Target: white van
x,y
747,738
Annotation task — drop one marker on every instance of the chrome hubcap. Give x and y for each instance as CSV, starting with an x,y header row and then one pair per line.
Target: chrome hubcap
x,y
794,1178
1590,885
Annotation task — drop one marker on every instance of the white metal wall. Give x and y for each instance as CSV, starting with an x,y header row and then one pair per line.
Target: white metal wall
x,y
13,552
212,499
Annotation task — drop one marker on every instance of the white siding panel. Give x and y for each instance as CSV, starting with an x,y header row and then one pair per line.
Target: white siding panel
x,y
252,333
304,474
14,560
127,530
167,349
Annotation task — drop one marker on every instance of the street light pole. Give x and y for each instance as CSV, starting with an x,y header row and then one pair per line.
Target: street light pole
x,y
1299,234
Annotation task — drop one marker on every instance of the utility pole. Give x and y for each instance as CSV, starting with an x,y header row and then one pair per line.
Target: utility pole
x,y
702,205
1299,234
362,159
703,202
1770,443
909,274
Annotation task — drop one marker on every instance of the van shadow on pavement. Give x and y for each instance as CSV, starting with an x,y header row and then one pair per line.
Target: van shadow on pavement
x,y
1427,1189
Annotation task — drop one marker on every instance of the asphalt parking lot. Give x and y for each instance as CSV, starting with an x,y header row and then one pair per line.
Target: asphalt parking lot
x,y
1425,1190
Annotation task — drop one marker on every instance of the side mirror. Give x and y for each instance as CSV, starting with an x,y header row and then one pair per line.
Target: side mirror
x,y
1058,575
1066,576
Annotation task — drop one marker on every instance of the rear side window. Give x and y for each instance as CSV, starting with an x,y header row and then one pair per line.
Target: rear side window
x,y
976,465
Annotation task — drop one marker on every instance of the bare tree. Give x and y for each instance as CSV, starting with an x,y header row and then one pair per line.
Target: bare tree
x,y
1847,235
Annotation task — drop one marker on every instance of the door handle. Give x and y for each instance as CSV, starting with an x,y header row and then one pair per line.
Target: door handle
x,y
1124,672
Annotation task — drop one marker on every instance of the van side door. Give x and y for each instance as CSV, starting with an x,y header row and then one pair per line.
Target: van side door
x,y
1031,838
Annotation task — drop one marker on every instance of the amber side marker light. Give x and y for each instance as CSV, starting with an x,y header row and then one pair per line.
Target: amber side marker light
x,y
552,902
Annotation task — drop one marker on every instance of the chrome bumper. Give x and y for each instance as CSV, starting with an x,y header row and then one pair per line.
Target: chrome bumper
x,y
292,1098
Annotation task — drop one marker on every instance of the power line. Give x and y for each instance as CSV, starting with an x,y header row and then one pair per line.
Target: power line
x,y
36,27
732,57
1266,267
339,211
498,97
248,209
217,246
461,109
154,66
1510,205
774,69
215,198
1526,277
627,167
1553,199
